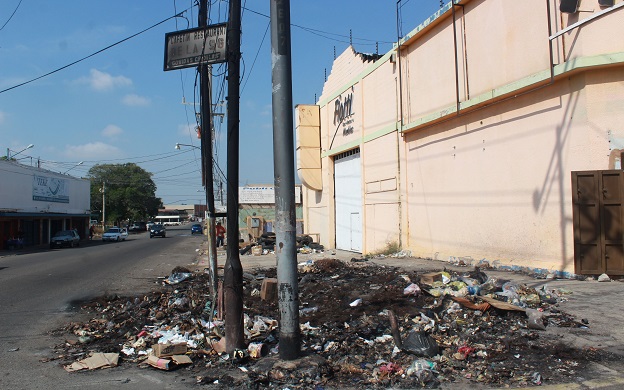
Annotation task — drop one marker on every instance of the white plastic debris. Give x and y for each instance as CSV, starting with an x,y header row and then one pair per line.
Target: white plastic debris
x,y
604,278
412,289
355,303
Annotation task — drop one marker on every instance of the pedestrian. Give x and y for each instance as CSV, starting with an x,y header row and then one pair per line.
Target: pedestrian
x,y
91,231
220,233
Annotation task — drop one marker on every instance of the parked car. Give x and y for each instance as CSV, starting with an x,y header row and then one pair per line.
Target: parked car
x,y
196,228
149,225
158,230
68,238
115,234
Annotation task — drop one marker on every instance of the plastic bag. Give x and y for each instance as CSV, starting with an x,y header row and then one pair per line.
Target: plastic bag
x,y
535,320
420,344
412,289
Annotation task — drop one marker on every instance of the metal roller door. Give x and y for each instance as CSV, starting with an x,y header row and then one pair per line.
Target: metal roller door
x,y
348,198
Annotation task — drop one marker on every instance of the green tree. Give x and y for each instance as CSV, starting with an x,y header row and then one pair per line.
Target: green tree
x,y
130,192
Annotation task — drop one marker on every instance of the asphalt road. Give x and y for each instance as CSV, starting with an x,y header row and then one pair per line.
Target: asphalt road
x,y
39,291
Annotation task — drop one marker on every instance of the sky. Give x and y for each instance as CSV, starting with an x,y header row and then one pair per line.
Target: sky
x,y
83,81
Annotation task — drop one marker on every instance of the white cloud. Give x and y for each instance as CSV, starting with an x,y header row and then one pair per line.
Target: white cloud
x,y
135,100
111,131
101,81
186,130
92,151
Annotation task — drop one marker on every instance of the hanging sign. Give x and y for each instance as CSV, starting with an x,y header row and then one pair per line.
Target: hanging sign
x,y
188,48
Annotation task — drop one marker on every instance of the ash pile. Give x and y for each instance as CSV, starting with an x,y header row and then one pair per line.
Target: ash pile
x,y
362,324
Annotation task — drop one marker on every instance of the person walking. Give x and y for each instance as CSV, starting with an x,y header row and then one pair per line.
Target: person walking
x,y
220,233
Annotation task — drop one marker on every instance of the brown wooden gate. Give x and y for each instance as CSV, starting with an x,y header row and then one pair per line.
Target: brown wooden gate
x,y
598,200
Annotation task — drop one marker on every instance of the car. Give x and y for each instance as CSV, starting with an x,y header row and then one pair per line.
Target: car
x,y
158,230
196,228
149,225
68,238
115,234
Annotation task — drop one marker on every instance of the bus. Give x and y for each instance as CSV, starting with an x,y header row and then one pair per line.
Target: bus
x,y
168,220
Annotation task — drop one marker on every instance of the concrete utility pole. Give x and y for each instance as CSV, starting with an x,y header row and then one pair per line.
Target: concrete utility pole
x,y
206,150
233,271
284,172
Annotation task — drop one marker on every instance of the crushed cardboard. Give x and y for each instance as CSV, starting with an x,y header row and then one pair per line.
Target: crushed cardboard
x,y
95,361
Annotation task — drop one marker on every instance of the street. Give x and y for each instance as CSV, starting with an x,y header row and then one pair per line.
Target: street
x,y
42,290
38,289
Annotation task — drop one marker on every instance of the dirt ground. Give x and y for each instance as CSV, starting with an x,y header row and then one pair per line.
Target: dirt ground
x,y
555,336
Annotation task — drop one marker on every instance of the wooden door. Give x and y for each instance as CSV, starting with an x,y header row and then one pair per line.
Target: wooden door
x,y
598,199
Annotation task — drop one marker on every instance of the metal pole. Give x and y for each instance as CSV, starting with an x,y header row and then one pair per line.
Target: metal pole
x,y
206,149
233,270
104,206
284,171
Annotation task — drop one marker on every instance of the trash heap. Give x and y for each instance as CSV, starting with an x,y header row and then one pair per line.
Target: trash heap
x,y
265,244
362,325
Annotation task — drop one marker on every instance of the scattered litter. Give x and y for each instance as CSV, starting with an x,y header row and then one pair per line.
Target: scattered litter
x,y
94,361
412,289
168,363
604,278
178,277
448,328
355,303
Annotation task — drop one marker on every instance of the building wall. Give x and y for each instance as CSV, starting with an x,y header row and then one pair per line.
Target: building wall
x,y
36,203
487,177
18,188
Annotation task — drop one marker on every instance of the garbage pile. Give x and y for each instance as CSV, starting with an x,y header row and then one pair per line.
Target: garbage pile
x,y
362,324
265,244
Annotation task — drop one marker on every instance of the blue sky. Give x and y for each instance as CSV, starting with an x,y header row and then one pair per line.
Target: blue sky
x,y
119,105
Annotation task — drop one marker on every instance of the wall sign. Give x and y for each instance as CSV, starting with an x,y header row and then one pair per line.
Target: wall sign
x,y
50,189
261,195
343,114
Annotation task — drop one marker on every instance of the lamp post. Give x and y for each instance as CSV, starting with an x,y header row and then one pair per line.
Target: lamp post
x,y
9,151
80,163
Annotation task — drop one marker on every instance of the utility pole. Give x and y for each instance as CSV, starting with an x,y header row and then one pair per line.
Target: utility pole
x,y
206,150
233,270
284,172
104,205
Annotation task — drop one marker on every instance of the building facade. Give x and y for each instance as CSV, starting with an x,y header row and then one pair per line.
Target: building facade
x,y
36,203
467,138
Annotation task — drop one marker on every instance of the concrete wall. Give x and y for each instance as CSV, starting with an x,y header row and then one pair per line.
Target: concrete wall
x,y
489,177
20,184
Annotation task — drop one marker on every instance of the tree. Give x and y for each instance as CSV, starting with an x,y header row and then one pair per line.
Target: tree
x,y
130,191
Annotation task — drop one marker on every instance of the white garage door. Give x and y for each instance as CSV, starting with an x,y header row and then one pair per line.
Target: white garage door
x,y
348,186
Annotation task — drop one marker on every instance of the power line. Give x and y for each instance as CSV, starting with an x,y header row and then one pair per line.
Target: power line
x,y
11,17
91,55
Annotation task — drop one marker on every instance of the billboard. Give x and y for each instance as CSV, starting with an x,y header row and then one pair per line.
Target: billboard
x,y
202,45
262,195
50,189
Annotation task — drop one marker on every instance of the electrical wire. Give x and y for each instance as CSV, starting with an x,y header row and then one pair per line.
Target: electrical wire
x,y
256,57
11,17
326,34
92,54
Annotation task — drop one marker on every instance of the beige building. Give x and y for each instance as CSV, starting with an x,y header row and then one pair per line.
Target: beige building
x,y
465,140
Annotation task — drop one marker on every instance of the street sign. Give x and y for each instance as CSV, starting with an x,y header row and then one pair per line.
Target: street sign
x,y
188,48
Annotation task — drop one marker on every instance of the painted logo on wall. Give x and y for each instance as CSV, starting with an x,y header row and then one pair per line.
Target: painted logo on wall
x,y
50,189
343,114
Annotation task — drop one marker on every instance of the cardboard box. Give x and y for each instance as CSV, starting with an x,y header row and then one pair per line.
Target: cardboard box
x,y
268,291
160,363
161,350
168,363
430,278
256,250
